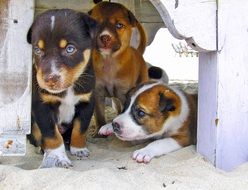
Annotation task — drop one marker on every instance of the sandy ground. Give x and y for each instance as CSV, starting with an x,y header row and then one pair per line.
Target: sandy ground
x,y
110,167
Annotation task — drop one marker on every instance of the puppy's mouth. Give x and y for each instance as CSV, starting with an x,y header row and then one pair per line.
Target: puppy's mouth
x,y
51,85
54,88
126,135
107,44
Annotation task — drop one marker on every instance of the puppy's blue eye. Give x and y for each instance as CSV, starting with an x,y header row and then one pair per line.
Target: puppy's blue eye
x,y
119,25
70,49
140,113
37,51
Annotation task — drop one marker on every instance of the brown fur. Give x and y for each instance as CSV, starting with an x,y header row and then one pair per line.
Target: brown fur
x,y
149,102
155,119
124,67
78,139
52,142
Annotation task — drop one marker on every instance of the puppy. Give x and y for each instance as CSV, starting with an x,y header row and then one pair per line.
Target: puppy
x,y
63,83
155,111
118,66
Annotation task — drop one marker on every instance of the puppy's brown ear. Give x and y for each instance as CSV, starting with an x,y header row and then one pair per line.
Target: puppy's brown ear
x,y
97,1
90,12
166,104
29,35
132,18
143,39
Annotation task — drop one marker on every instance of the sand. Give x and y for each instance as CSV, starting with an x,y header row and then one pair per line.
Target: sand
x,y
110,167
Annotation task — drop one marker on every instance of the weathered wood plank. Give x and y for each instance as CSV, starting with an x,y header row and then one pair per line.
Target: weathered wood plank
x,y
15,71
79,5
146,12
207,106
12,145
223,87
192,20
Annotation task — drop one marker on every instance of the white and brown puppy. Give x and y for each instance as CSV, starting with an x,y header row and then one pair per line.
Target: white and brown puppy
x,y
156,111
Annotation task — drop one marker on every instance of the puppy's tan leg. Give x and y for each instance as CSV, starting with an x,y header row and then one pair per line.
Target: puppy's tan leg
x,y
55,155
78,141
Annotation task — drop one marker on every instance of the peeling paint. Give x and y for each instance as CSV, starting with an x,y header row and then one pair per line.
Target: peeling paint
x,y
216,122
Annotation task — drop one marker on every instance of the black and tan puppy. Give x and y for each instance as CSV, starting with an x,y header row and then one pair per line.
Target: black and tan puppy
x,y
63,83
118,66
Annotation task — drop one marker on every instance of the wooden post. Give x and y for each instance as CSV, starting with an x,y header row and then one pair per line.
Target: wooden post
x,y
219,31
15,69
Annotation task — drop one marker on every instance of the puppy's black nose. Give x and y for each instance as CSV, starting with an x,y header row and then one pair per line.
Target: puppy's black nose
x,y
105,38
52,78
116,127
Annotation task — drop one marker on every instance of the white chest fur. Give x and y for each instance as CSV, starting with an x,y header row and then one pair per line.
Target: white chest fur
x,y
67,107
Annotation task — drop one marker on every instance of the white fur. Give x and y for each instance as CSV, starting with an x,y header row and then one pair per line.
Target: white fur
x,y
79,152
132,131
54,69
106,129
52,22
105,32
156,148
105,52
56,158
67,106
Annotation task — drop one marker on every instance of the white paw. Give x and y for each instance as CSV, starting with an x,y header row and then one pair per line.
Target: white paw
x,y
79,152
106,130
56,158
142,155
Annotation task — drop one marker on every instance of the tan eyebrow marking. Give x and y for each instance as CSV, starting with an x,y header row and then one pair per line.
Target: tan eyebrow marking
x,y
41,44
62,43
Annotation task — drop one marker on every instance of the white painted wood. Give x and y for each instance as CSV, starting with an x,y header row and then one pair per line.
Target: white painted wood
x,y
232,139
15,69
223,78
207,105
12,145
192,20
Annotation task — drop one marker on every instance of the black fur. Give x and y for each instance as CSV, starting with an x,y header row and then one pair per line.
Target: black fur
x,y
79,29
155,72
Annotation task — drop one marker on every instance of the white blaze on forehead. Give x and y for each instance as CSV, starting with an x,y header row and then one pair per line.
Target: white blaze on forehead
x,y
52,22
54,69
105,32
139,91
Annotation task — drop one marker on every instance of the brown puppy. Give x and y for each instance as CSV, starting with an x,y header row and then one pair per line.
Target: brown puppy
x,y
63,83
156,112
118,66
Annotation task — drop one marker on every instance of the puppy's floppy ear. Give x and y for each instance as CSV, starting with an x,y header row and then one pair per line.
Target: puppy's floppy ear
x,y
166,104
90,12
132,19
29,35
90,24
97,1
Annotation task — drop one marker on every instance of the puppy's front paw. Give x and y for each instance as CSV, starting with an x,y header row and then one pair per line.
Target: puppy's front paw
x,y
56,158
142,156
106,130
79,152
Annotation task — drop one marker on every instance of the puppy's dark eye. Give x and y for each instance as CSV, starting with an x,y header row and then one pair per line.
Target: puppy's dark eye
x,y
70,49
140,113
37,51
119,25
